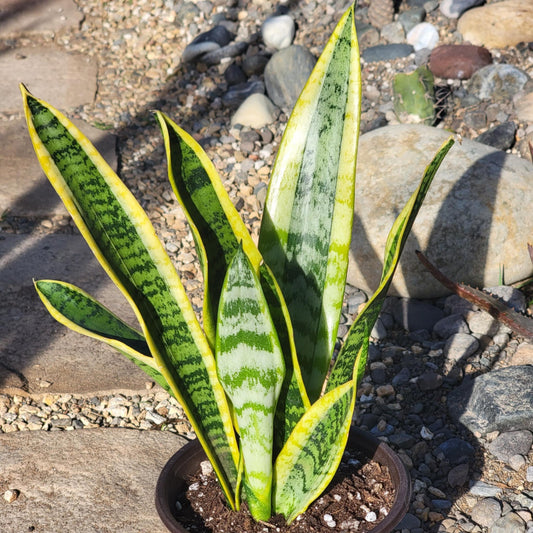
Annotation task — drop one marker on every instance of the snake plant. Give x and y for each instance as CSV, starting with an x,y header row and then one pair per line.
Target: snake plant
x,y
252,378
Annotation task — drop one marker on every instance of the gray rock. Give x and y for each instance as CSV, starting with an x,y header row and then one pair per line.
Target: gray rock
x,y
460,346
507,523
410,18
486,512
497,82
511,443
219,35
423,35
455,8
386,52
278,31
366,34
414,315
458,475
485,490
482,323
237,94
194,51
450,325
429,381
286,74
393,33
86,481
476,187
455,451
230,50
402,377
234,75
501,137
409,521
254,64
500,400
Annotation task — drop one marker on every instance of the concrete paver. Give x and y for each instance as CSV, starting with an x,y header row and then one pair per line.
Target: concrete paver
x,y
37,354
23,17
85,480
24,189
61,78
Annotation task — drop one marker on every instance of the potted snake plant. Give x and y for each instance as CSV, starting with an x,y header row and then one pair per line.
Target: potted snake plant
x,y
271,409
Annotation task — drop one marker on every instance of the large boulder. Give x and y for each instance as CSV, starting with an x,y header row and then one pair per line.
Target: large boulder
x,y
475,218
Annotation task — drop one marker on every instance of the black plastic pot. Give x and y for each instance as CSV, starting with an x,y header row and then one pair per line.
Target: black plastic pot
x,y
172,482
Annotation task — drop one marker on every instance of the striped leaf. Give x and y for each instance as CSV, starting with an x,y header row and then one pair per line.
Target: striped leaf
x,y
124,241
363,324
75,309
311,456
216,226
218,229
306,227
251,369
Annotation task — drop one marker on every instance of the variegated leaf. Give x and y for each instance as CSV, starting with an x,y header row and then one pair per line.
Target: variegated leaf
x,y
124,242
251,369
307,221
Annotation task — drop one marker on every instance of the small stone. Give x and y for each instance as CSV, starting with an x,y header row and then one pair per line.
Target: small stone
x,y
529,474
482,323
524,108
485,490
386,52
393,33
237,94
11,495
523,354
455,451
455,8
516,462
501,136
460,346
507,523
371,516
409,522
486,512
458,475
511,443
458,61
429,381
256,111
206,468
450,325
385,390
217,56
254,65
278,31
234,75
423,35
410,18
286,74
497,82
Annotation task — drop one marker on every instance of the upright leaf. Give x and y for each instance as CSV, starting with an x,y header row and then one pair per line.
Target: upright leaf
x,y
251,369
363,324
307,221
124,241
216,226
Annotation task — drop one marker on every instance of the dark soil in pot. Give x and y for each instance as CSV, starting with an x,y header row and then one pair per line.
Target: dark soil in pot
x,y
370,492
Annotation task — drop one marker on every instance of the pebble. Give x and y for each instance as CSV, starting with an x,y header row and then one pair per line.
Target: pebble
x,y
486,512
234,75
237,94
485,490
524,107
501,136
460,346
209,41
523,354
455,8
386,52
481,323
256,111
11,495
393,32
507,523
410,18
278,32
217,56
511,443
455,451
529,474
423,35
450,325
458,61
286,74
497,82
458,475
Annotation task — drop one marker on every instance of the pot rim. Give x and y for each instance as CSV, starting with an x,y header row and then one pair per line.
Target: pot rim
x,y
172,479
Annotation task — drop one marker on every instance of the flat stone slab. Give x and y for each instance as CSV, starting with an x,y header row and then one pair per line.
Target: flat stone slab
x,y
85,480
64,80
39,355
23,17
24,189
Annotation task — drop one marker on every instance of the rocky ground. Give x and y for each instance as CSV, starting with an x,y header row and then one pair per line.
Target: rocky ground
x,y
464,479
